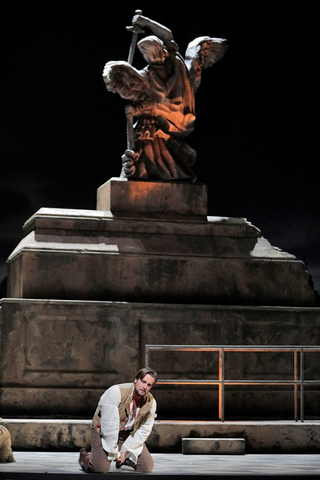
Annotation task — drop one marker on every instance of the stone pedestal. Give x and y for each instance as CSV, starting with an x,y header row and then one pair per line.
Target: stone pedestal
x,y
119,195
88,289
142,255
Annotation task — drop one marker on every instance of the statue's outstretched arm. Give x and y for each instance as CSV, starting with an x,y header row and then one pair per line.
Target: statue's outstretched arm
x,y
156,28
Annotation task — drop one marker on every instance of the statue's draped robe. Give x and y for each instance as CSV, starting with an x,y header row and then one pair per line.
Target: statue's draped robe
x,y
167,120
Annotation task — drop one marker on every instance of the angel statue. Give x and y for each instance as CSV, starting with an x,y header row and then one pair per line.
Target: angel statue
x,y
162,110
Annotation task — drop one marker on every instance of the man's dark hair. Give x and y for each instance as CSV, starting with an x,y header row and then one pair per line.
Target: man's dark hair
x,y
146,371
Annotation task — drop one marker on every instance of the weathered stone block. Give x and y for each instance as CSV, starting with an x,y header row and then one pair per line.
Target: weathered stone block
x,y
59,356
260,437
172,198
217,446
92,255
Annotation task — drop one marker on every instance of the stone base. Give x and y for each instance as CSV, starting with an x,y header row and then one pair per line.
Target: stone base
x,y
152,242
88,289
94,255
213,446
260,437
119,195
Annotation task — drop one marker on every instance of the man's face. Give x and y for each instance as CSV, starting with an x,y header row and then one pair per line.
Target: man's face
x,y
144,385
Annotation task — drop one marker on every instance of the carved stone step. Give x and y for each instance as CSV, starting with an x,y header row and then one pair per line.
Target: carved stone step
x,y
214,446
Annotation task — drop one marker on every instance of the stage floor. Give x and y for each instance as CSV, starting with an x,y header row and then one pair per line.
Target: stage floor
x,y
64,465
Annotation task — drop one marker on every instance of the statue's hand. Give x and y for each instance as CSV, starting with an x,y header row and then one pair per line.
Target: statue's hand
x,y
128,167
139,20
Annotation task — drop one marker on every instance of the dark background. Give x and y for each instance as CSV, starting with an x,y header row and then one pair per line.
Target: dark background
x,y
62,134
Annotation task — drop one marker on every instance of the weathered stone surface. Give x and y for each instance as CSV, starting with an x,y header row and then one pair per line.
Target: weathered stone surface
x,y
58,357
213,446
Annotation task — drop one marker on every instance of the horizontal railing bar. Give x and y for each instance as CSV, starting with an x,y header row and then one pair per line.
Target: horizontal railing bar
x,y
189,382
235,348
265,382
238,382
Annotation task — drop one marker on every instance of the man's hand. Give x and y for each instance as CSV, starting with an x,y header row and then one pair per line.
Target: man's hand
x,y
122,457
122,460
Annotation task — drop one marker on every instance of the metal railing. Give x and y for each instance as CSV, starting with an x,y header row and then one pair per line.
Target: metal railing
x,y
298,382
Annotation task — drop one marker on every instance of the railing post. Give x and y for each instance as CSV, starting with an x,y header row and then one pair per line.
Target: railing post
x,y
221,384
295,387
301,385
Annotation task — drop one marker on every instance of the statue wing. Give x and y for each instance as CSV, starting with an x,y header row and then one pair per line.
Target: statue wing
x,y
202,53
122,78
